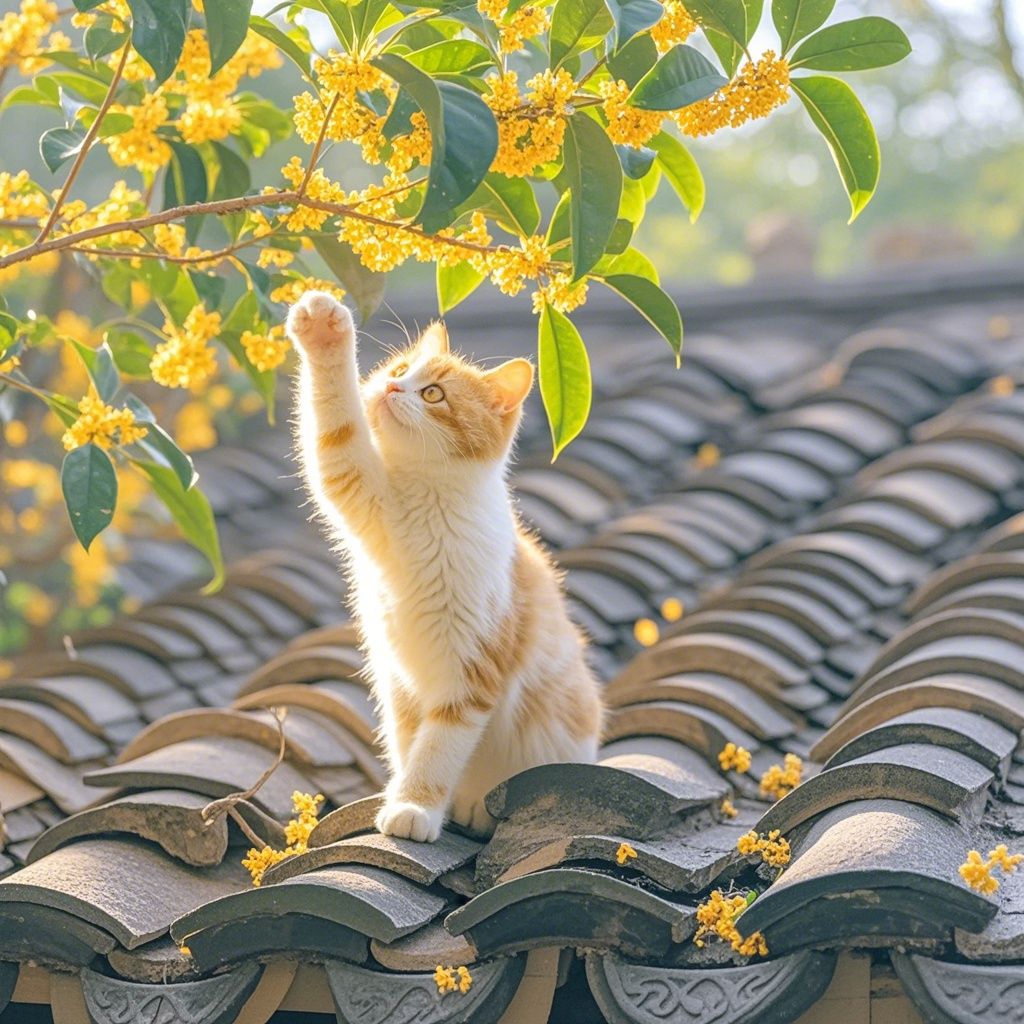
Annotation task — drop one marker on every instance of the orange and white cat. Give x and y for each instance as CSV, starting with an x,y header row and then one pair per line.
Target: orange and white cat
x,y
476,667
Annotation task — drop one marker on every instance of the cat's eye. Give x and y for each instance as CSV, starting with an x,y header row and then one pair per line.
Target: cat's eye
x,y
399,370
432,393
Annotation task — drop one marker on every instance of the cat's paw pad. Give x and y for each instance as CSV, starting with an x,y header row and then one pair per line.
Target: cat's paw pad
x,y
473,815
410,821
319,323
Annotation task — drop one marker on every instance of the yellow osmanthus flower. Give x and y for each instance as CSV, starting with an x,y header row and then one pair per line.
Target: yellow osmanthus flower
x,y
122,204
101,424
296,832
193,427
773,848
708,455
977,873
561,293
624,852
407,149
645,631
675,26
291,292
716,917
15,432
734,757
271,257
89,570
526,23
37,608
531,127
727,808
39,477
10,363
185,359
755,92
1002,386
672,609
778,780
266,351
628,126
22,33
170,238
140,146
448,979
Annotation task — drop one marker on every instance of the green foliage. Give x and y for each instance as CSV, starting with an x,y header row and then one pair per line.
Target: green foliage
x,y
795,19
89,484
564,372
853,46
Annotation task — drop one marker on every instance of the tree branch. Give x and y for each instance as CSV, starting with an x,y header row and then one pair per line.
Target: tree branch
x,y
1004,47
90,138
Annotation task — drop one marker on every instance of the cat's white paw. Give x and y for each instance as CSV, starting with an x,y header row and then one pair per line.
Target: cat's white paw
x,y
410,821
473,814
318,323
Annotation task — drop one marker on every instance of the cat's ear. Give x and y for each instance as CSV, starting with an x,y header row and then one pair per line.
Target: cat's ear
x,y
513,381
434,340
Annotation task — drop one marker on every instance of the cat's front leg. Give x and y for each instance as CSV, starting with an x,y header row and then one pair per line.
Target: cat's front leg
x,y
417,798
343,469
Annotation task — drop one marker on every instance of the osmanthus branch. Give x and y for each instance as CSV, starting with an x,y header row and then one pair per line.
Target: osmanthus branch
x,y
90,138
220,208
200,257
319,145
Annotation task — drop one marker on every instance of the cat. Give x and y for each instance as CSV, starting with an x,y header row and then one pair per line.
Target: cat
x,y
477,670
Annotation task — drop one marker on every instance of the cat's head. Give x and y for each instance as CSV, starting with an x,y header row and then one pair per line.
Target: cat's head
x,y
428,404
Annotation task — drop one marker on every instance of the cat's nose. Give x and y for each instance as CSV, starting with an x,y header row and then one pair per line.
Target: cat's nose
x,y
392,386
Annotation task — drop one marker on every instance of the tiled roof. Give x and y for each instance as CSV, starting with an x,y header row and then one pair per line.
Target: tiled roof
x,y
840,519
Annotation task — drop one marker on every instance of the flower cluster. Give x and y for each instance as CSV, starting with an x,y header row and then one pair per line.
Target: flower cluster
x,y
624,852
528,22
266,351
645,632
185,359
628,126
727,808
675,26
716,918
21,35
448,979
296,832
977,873
755,92
773,848
734,757
293,290
531,127
561,293
122,204
778,780
101,424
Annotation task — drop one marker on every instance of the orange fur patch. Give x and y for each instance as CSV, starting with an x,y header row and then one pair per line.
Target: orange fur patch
x,y
337,437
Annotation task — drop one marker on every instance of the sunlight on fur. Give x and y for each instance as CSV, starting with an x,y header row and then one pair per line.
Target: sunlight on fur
x,y
477,670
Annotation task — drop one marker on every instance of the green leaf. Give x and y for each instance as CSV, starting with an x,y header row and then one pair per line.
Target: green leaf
x,y
89,483
99,364
25,95
635,162
455,284
735,18
634,60
131,353
653,303
182,298
795,19
463,56
185,182
191,511
91,89
364,287
564,372
633,16
86,5
243,318
729,52
365,15
58,145
682,76
576,25
681,170
158,33
160,445
853,46
227,22
632,261
595,181
510,202
285,42
464,139
339,12
839,116
112,124
102,37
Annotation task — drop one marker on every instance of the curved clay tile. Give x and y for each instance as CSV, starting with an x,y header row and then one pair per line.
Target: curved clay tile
x,y
304,665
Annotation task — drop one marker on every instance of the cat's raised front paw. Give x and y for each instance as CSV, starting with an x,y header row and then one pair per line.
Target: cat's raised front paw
x,y
319,324
410,821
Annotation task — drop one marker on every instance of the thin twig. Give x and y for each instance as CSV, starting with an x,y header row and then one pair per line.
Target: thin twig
x,y
203,257
315,155
90,137
244,826
215,808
